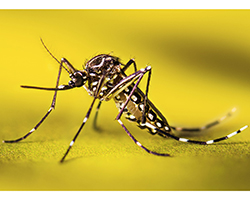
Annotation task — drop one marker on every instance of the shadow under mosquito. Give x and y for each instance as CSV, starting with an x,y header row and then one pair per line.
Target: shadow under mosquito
x,y
98,129
31,142
191,134
69,160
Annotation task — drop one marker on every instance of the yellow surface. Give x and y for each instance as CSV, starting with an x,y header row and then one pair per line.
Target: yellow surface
x,y
200,70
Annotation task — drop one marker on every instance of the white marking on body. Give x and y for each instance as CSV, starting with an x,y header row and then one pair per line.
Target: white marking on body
x,y
120,122
142,124
150,125
210,142
166,128
134,98
158,124
232,134
154,131
95,83
126,90
85,119
92,74
138,143
183,139
71,143
243,128
151,117
95,66
32,130
104,88
148,67
132,117
61,86
141,106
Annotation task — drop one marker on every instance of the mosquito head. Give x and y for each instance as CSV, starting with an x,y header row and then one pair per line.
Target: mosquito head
x,y
78,78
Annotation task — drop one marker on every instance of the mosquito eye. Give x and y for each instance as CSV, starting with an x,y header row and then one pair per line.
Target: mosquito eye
x,y
77,79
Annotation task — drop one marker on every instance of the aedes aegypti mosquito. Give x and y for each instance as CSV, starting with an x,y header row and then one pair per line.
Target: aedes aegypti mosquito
x,y
104,78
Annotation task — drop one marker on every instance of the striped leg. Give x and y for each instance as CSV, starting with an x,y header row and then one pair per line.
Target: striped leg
x,y
147,69
52,106
96,115
128,64
79,130
85,118
202,142
141,74
138,143
206,126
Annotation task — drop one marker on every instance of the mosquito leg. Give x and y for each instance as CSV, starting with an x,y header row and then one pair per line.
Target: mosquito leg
x,y
145,99
206,126
201,142
100,84
138,143
96,115
79,130
52,106
129,63
142,72
147,69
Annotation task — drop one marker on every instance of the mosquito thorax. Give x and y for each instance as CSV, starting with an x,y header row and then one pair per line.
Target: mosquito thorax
x,y
103,66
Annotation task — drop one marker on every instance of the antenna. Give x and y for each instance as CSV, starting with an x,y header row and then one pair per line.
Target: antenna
x,y
53,55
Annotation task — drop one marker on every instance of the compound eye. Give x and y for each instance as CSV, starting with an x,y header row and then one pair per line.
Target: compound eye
x,y
77,79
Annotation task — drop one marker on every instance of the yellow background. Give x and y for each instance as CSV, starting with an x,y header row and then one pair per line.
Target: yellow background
x,y
200,70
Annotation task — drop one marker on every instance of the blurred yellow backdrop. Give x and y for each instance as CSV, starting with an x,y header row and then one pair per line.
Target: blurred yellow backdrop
x,y
200,70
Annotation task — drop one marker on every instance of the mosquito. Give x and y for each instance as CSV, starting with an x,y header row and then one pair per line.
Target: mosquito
x,y
104,78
